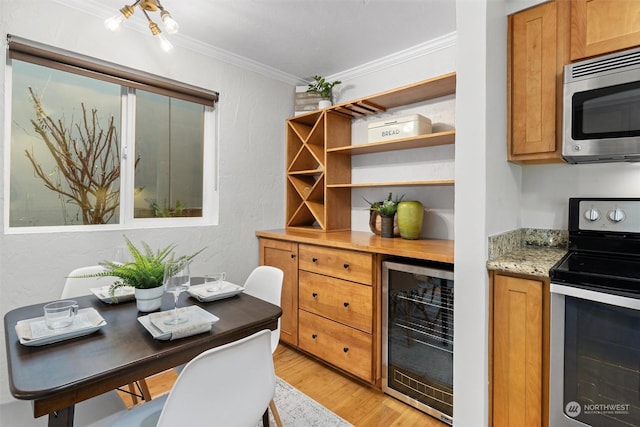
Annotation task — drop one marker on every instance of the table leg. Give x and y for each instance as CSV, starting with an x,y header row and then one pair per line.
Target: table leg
x,y
265,418
62,418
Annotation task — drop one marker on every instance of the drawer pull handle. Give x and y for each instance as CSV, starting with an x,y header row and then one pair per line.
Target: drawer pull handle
x,y
346,349
314,259
346,266
293,256
314,336
315,294
346,304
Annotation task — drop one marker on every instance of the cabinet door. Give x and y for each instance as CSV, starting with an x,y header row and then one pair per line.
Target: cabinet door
x,y
284,255
517,351
603,26
538,46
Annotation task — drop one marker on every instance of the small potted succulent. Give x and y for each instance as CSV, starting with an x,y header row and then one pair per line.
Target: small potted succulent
x,y
386,210
324,89
144,273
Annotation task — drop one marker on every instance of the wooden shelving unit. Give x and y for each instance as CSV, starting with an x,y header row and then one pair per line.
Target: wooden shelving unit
x,y
319,150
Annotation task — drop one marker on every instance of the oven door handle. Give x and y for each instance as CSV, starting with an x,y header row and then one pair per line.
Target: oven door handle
x,y
616,300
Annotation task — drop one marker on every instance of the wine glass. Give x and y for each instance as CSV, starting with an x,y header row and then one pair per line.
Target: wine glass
x,y
176,280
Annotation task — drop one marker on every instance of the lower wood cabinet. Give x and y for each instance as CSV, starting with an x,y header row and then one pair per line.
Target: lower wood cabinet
x,y
346,348
519,351
328,303
284,255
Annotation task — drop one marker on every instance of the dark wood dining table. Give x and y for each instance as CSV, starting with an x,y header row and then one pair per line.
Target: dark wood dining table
x,y
57,376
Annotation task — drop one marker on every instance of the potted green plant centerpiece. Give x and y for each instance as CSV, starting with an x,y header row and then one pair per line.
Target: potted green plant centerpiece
x,y
324,89
386,210
144,273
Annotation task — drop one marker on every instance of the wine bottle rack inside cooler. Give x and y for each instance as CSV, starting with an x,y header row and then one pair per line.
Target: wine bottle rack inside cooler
x,y
417,336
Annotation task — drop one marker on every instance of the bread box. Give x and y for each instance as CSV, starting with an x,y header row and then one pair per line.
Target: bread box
x,y
399,127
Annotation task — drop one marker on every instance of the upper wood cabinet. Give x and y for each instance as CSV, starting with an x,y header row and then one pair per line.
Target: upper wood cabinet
x,y
538,49
603,26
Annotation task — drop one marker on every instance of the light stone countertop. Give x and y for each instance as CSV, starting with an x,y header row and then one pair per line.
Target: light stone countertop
x,y
529,260
527,251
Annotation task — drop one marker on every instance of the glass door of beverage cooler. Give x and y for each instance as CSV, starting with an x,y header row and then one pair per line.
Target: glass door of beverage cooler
x,y
418,336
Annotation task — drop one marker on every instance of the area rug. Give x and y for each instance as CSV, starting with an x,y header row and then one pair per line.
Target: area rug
x,y
296,409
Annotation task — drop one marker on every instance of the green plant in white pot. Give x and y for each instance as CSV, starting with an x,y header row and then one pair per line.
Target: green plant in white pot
x,y
323,88
144,273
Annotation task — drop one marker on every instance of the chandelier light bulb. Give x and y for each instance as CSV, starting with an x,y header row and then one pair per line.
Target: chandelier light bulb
x,y
170,24
164,43
114,23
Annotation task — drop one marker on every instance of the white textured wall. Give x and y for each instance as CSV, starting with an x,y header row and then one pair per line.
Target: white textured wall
x,y
252,111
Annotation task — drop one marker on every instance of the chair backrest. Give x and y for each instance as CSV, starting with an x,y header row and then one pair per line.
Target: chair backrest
x,y
230,385
75,287
265,282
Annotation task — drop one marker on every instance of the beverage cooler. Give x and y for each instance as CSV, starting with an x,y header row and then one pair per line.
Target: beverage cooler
x,y
417,336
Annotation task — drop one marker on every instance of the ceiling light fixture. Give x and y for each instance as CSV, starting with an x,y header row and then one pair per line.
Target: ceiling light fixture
x,y
170,24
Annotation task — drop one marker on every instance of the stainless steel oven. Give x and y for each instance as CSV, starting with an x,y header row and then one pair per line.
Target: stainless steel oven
x,y
595,317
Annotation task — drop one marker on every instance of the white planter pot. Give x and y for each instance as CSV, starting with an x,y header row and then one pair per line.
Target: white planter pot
x,y
149,299
325,103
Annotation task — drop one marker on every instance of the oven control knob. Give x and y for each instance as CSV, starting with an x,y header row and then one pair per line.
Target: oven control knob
x,y
592,214
616,215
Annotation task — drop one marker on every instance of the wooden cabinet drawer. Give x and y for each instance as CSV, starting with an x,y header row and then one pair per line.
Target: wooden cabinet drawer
x,y
345,302
344,264
344,347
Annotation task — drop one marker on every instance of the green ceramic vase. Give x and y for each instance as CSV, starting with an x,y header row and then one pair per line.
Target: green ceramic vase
x,y
410,214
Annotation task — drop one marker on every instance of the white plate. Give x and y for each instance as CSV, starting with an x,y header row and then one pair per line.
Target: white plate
x,y
34,332
227,290
125,293
204,320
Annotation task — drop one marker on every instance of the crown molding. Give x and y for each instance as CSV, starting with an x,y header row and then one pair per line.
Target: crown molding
x,y
98,10
422,49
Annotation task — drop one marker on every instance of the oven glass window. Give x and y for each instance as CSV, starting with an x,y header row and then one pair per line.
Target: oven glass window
x,y
609,112
601,364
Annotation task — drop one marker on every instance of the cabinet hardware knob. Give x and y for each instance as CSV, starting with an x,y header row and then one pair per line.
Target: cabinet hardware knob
x,y
314,336
346,349
315,294
293,256
346,265
346,304
314,259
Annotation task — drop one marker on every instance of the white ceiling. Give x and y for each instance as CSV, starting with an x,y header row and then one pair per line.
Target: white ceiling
x,y
299,38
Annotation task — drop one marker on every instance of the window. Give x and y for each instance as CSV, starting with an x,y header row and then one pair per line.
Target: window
x,y
99,145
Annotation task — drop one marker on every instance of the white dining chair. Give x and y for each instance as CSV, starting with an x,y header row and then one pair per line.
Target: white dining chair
x,y
75,286
230,385
265,282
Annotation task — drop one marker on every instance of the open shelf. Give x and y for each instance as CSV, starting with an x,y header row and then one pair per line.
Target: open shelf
x,y
319,151
429,140
439,182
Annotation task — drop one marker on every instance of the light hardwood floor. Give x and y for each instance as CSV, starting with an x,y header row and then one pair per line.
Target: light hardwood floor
x,y
353,401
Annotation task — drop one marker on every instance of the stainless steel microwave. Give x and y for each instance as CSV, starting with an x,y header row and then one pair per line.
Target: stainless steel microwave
x,y
601,120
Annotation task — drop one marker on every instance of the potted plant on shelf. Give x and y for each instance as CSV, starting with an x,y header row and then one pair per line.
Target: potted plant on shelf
x,y
144,273
324,89
386,210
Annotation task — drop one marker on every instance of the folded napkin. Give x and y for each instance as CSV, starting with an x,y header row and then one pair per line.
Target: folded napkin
x,y
198,321
32,329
